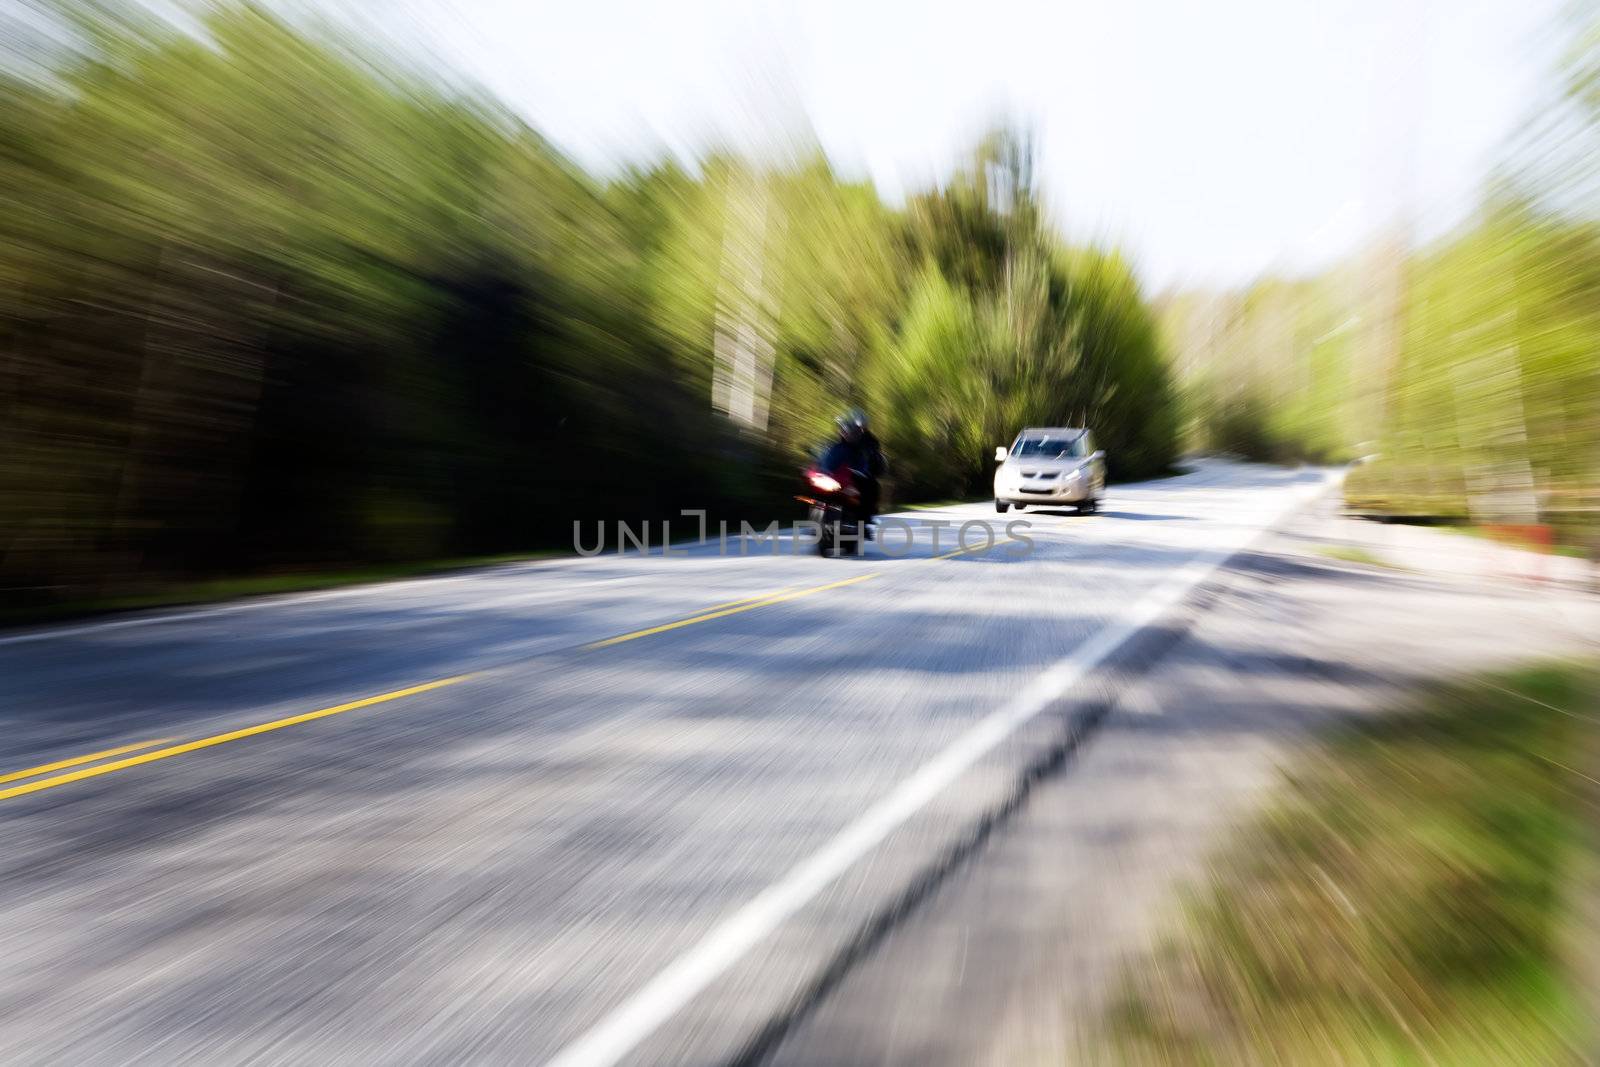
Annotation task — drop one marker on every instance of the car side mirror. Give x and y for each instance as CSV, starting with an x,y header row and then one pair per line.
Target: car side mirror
x,y
1098,453
1000,454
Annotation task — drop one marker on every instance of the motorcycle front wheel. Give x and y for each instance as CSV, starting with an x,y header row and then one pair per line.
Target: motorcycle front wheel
x,y
825,545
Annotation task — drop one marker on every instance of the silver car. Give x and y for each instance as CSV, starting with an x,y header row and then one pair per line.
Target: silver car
x,y
1050,465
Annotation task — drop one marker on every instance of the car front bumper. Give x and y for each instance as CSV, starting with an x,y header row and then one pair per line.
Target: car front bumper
x,y
1059,491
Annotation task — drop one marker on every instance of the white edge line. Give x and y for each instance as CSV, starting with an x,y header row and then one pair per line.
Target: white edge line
x,y
622,1029
28,636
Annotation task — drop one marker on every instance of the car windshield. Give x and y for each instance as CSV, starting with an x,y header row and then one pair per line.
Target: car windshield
x,y
1049,447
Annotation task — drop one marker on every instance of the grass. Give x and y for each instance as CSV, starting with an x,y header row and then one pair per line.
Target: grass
x,y
1354,554
192,593
1407,900
1414,495
1489,534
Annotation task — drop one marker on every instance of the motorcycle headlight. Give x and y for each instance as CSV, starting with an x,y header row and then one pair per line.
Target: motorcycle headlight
x,y
824,482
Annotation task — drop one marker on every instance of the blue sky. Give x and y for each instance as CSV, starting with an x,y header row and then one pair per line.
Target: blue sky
x,y
1214,140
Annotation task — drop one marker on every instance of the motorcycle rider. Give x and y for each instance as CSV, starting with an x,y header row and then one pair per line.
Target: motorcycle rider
x,y
858,449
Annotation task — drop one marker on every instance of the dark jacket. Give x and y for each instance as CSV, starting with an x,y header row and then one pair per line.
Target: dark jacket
x,y
864,456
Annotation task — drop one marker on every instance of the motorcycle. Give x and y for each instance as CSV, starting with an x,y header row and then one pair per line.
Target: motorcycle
x,y
835,504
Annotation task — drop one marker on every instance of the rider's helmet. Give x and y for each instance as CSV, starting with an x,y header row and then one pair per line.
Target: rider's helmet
x,y
852,424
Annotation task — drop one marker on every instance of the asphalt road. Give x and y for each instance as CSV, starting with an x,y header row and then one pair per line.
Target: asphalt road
x,y
457,819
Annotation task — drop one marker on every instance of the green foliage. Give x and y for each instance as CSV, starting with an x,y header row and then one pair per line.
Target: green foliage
x,y
1276,372
1470,368
926,424
1005,328
1501,364
267,300
1402,901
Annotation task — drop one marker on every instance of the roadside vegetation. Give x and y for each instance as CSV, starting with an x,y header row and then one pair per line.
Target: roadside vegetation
x,y
1514,539
1354,554
273,300
1414,895
1468,369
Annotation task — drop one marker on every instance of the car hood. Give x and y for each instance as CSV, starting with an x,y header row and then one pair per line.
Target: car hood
x,y
1056,465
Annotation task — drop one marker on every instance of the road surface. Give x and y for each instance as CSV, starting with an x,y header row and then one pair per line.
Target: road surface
x,y
616,809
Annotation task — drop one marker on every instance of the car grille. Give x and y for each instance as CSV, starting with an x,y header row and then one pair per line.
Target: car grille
x,y
1043,476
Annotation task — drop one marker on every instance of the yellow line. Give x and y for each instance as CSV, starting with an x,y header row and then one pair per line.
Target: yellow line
x,y
732,607
219,739
976,548
707,616
749,599
77,761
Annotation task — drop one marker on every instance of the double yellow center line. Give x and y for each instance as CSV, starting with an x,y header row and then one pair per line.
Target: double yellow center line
x,y
76,771
735,607
732,608
78,761
194,746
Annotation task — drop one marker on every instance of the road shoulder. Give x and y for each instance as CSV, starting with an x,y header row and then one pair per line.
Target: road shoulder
x,y
1018,952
